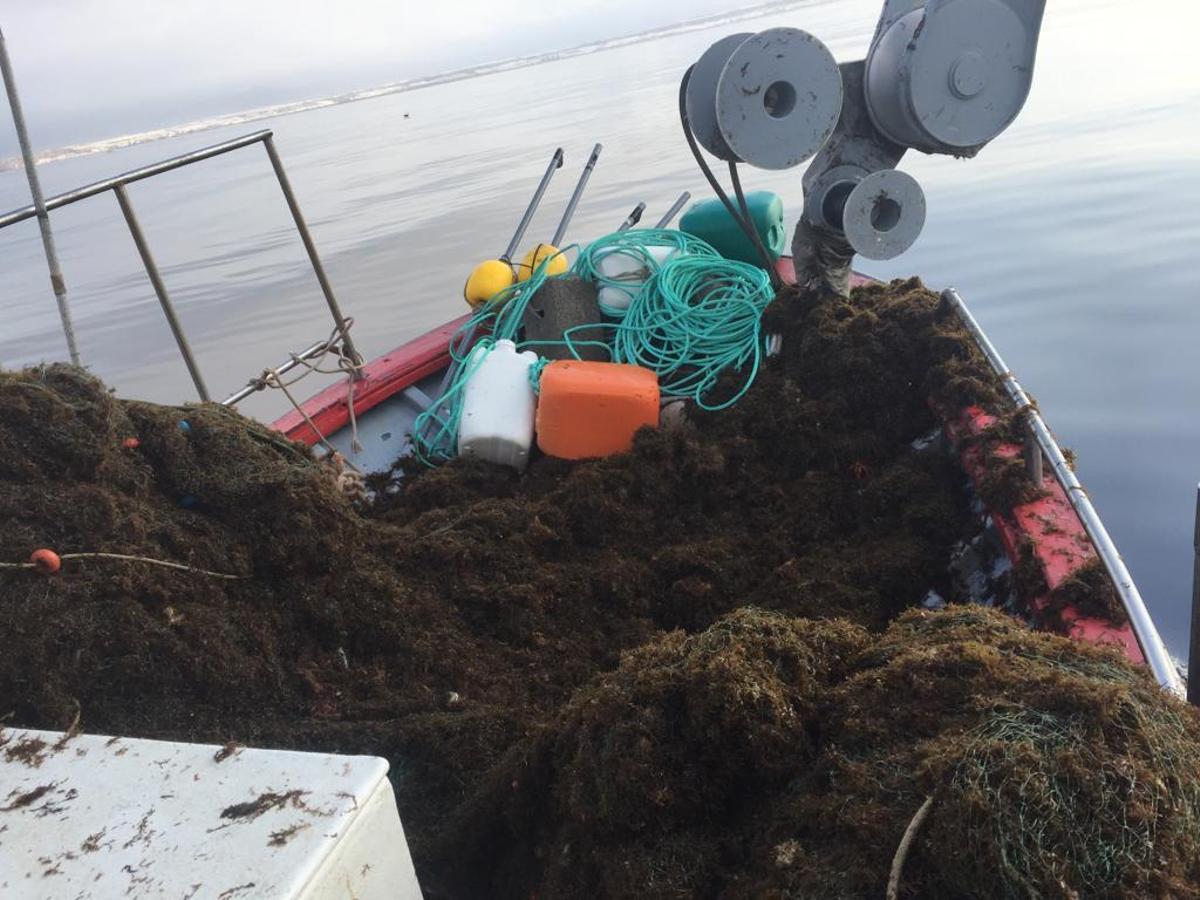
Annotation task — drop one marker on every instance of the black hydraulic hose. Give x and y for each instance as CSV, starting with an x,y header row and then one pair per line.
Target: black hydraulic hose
x,y
751,230
747,228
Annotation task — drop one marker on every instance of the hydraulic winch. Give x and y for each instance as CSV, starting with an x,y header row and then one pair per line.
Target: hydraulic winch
x,y
943,76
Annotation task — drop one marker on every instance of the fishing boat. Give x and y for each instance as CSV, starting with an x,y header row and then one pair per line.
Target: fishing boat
x,y
89,823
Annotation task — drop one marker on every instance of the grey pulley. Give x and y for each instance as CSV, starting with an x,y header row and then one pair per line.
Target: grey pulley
x,y
770,99
884,214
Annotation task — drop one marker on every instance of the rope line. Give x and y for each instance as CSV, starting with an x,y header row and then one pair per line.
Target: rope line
x,y
128,558
271,378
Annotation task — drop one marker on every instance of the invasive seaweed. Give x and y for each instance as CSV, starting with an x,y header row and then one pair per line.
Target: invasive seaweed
x,y
656,669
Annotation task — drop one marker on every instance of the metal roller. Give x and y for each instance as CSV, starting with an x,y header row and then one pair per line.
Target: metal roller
x,y
884,214
778,98
702,95
949,77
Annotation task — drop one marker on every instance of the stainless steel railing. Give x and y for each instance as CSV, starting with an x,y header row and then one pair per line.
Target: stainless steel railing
x,y
118,186
1157,657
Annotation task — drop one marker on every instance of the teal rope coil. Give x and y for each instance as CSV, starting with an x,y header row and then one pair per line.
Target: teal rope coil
x,y
635,244
695,319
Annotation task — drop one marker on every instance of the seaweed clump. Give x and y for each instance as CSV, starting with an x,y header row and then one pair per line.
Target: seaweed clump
x,y
657,649
779,757
1090,592
646,779
1056,770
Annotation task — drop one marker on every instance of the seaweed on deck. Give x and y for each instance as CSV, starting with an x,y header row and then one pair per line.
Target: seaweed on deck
x,y
470,614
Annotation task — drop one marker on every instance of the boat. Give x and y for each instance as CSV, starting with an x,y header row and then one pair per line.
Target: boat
x,y
147,818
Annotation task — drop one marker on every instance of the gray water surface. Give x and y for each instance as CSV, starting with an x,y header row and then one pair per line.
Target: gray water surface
x,y
1074,237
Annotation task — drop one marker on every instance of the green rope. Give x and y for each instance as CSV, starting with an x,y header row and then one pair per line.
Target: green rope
x,y
696,318
535,374
635,244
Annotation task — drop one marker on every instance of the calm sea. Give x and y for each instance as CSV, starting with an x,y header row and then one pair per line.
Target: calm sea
x,y
1075,237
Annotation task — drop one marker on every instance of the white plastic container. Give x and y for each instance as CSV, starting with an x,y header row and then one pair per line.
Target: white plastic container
x,y
498,406
631,271
121,818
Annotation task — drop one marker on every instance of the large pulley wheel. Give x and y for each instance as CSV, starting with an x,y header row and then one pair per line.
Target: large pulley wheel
x,y
770,99
779,98
701,96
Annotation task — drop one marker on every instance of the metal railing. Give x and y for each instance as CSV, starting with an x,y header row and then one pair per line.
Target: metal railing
x,y
1157,657
118,186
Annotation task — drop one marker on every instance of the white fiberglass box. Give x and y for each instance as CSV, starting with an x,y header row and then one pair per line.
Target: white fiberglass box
x,y
92,817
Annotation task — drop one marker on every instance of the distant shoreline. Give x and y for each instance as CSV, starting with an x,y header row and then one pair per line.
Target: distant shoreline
x,y
108,145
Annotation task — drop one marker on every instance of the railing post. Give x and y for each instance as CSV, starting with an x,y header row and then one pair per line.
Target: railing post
x,y
301,226
57,282
160,289
1193,686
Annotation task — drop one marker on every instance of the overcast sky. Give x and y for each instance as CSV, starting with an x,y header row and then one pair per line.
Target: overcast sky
x,y
90,69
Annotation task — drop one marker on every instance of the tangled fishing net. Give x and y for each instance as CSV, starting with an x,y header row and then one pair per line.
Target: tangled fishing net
x,y
1055,770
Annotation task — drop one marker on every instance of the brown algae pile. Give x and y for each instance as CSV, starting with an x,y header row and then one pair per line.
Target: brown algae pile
x,y
692,670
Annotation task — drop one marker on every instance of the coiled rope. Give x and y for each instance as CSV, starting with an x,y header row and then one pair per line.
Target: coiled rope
x,y
695,319
635,246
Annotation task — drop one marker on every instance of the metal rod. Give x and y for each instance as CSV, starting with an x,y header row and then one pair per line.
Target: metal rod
x,y
1033,457
57,282
99,187
258,384
576,194
633,218
1157,657
674,210
556,162
326,288
160,289
1193,685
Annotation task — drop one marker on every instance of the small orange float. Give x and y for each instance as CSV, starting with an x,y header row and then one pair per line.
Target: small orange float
x,y
46,561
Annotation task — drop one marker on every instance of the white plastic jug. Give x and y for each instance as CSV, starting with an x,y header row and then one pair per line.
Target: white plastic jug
x,y
498,406
631,271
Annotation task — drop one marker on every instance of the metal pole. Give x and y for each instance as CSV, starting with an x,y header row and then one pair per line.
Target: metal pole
x,y
1157,657
301,226
578,192
633,218
259,384
160,289
1193,686
166,165
57,282
674,210
556,162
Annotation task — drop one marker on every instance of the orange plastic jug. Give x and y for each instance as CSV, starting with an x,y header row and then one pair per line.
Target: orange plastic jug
x,y
590,409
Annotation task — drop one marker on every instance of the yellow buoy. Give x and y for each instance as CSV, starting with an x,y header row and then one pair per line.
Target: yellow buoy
x,y
488,279
538,255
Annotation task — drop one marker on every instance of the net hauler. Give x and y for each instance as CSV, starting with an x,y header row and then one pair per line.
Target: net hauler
x,y
942,76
